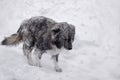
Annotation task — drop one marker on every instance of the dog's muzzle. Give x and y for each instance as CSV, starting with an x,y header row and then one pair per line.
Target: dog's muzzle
x,y
70,48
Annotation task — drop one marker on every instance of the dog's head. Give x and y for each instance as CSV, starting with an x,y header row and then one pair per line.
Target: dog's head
x,y
62,35
56,37
67,43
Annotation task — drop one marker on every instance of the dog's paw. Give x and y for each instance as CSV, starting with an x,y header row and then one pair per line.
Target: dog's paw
x,y
30,63
58,70
25,54
38,64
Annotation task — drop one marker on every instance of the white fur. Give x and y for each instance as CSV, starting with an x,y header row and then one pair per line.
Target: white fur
x,y
53,51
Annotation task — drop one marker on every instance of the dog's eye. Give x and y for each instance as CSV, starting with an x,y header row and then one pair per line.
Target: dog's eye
x,y
65,39
69,39
56,31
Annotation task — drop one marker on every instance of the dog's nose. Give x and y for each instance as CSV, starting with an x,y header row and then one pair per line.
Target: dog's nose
x,y
69,48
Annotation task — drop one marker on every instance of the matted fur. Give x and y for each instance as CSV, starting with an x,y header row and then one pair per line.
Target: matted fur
x,y
43,34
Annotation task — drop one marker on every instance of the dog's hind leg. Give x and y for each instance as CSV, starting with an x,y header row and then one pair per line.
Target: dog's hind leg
x,y
38,54
27,52
55,60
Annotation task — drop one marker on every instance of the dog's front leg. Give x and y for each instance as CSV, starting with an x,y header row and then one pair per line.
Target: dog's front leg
x,y
55,60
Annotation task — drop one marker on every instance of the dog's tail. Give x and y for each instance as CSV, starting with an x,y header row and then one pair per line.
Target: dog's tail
x,y
12,40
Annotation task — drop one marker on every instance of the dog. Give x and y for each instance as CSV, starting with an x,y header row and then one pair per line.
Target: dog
x,y
43,35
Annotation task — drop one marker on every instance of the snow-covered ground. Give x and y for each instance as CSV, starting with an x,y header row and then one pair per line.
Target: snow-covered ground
x,y
96,54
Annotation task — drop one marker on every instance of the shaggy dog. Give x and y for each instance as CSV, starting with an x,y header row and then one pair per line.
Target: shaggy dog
x,y
43,34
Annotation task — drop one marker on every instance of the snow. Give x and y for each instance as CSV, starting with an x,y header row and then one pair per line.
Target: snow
x,y
96,54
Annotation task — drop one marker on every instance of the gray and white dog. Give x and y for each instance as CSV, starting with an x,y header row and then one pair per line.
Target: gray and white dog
x,y
43,35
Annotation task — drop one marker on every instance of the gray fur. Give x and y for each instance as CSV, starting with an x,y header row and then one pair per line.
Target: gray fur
x,y
66,34
43,33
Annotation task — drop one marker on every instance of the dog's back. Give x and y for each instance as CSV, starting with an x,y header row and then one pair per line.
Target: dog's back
x,y
30,30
